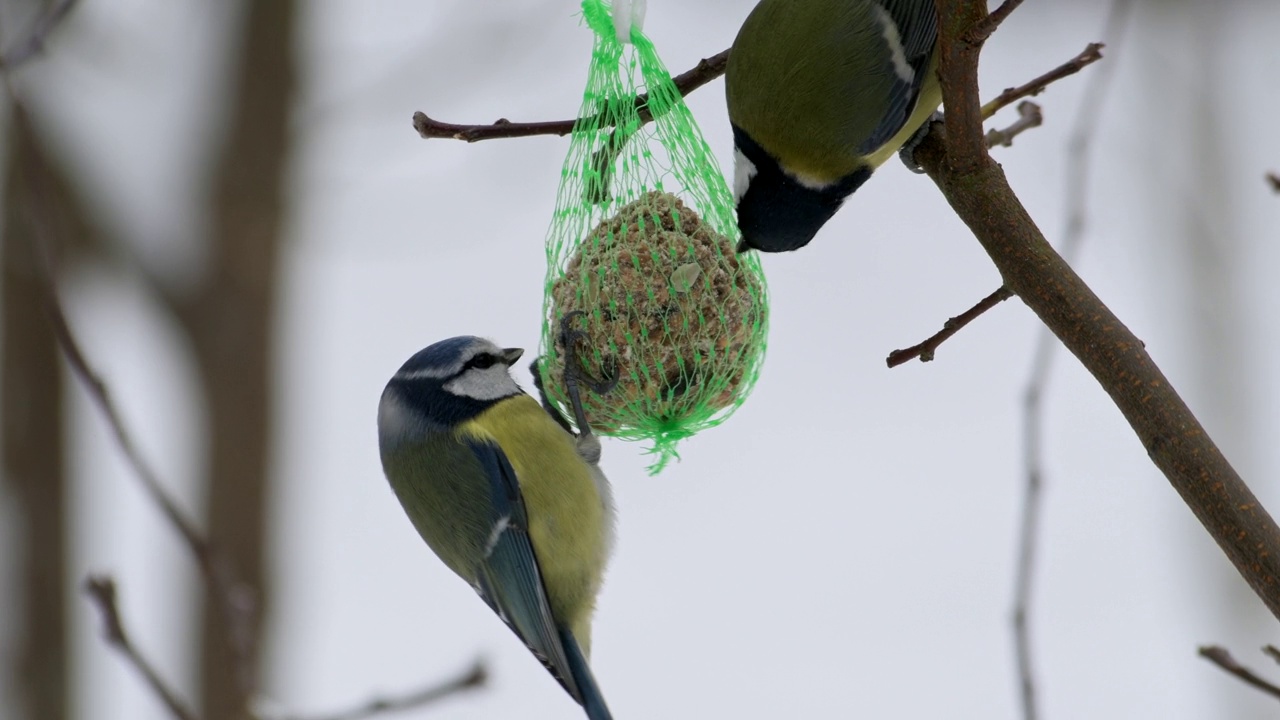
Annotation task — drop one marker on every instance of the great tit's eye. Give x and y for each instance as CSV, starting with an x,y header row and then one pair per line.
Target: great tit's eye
x,y
482,361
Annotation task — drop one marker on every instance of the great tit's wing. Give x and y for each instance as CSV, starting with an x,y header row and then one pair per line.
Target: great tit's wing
x,y
910,32
508,578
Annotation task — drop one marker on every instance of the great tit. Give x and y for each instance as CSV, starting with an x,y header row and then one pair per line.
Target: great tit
x,y
508,498
820,94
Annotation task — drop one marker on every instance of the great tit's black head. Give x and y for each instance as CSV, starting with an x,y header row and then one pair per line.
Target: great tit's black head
x,y
445,384
777,212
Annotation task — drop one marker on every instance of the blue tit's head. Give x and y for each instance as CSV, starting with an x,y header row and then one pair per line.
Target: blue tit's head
x,y
776,211
445,384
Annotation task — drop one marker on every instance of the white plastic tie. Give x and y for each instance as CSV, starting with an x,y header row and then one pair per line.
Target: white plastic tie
x,y
628,14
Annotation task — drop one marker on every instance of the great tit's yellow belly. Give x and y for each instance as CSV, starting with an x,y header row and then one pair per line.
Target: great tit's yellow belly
x,y
569,521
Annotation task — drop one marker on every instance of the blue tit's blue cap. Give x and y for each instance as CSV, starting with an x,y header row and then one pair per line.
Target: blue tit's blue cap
x,y
442,355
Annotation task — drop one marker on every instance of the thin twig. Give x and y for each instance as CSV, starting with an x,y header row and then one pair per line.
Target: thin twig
x,y
1274,179
1272,652
1079,159
983,30
33,42
926,349
1029,116
1220,657
102,591
705,71
1091,54
474,677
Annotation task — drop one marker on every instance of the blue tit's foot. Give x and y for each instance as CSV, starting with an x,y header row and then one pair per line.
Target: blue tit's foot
x,y
908,151
574,374
535,368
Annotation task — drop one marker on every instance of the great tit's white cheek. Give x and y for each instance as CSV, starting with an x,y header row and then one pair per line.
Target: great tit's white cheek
x,y
743,171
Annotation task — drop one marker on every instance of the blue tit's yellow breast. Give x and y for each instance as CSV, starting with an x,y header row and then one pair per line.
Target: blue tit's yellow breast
x,y
567,516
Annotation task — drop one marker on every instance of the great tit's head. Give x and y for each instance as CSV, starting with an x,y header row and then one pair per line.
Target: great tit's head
x,y
445,384
777,211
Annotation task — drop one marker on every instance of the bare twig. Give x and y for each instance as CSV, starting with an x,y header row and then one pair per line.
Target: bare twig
x,y
704,72
1274,179
1272,652
474,677
33,42
1220,657
102,591
1029,116
983,30
1091,54
926,349
1079,159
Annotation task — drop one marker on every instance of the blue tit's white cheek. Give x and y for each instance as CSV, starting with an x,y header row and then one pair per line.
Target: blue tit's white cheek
x,y
743,171
491,383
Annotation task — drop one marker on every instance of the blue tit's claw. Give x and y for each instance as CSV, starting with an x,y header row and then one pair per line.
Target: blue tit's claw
x,y
573,373
535,368
908,151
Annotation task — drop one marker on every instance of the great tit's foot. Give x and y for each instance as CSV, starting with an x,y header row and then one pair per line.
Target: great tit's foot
x,y
908,151
535,368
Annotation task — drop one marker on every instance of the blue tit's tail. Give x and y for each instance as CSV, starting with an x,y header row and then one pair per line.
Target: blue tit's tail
x,y
592,700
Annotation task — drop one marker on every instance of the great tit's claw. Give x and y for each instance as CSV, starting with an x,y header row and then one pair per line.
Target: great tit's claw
x,y
908,152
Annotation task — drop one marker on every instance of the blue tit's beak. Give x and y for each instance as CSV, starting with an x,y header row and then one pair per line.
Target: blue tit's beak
x,y
743,246
511,355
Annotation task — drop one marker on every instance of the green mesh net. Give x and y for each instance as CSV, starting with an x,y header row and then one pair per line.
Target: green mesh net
x,y
642,243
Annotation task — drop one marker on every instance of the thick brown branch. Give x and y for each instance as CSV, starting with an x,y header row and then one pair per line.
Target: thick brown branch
x,y
102,591
926,349
1220,657
704,72
1091,54
979,192
991,23
474,677
1029,116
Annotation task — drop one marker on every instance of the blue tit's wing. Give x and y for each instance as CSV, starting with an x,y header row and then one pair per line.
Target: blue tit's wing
x,y
508,578
910,30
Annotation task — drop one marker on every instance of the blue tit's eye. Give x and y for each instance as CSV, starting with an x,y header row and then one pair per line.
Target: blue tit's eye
x,y
482,361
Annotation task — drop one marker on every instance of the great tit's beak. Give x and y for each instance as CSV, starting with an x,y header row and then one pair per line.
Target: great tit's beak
x,y
511,355
743,246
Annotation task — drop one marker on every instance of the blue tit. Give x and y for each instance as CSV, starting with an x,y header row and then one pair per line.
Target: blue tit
x,y
820,94
508,498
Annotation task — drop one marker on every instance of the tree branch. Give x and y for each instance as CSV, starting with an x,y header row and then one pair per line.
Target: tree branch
x,y
1274,180
1220,657
926,349
1029,116
991,23
102,591
1091,54
474,677
977,189
1078,161
705,71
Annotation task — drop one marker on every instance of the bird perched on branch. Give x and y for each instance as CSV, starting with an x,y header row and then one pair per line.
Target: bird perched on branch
x,y
508,498
820,94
